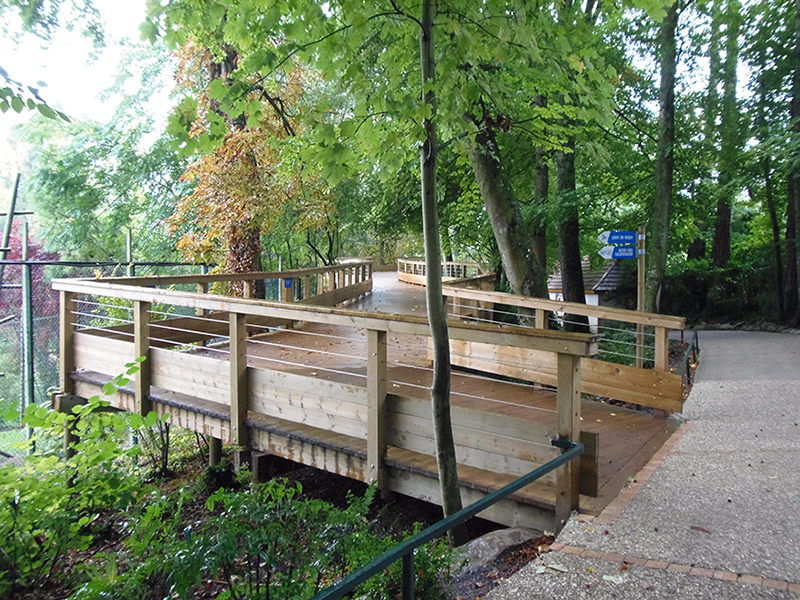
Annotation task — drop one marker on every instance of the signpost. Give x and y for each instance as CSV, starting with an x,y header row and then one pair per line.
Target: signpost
x,y
629,244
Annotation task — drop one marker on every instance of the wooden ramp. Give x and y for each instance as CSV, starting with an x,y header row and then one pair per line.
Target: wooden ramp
x,y
344,387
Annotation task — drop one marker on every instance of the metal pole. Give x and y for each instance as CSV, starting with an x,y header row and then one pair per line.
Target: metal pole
x,y
28,396
7,227
129,253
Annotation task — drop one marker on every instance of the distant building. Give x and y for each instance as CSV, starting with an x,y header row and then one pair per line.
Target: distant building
x,y
597,283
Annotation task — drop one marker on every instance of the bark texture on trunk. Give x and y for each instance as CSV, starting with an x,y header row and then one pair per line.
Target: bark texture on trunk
x,y
665,164
569,250
440,388
729,136
793,189
243,255
523,271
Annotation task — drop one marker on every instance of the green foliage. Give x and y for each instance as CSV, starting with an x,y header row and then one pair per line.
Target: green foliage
x,y
49,505
264,542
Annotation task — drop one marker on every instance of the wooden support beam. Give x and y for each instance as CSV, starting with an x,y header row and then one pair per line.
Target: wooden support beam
x,y
214,451
238,360
141,347
376,406
202,288
306,286
249,289
542,318
568,407
67,320
662,350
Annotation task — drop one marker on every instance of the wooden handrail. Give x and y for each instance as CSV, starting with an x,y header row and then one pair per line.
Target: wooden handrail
x,y
223,277
572,308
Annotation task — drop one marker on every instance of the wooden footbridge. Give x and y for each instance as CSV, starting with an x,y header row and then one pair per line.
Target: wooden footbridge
x,y
335,375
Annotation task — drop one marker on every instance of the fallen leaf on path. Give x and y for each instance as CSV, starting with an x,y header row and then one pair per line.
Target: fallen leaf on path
x,y
699,528
612,578
559,568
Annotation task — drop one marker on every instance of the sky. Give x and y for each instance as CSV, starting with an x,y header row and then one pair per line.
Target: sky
x,y
76,75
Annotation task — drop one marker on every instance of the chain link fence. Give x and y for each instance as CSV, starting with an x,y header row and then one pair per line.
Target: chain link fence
x,y
44,336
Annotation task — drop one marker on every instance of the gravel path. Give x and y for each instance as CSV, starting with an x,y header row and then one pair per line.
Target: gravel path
x,y
715,514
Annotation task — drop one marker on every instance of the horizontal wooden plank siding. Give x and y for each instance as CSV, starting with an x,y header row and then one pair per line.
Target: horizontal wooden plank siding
x,y
619,382
101,354
326,405
483,440
200,376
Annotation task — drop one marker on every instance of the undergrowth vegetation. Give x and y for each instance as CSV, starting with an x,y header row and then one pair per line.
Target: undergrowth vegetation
x,y
102,522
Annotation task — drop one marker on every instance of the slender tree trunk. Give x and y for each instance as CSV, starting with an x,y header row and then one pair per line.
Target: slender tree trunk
x,y
523,272
729,147
665,164
541,195
569,251
440,388
793,188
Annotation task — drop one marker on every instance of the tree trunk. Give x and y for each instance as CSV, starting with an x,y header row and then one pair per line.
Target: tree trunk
x,y
569,250
541,195
243,255
793,188
665,164
729,136
440,388
523,272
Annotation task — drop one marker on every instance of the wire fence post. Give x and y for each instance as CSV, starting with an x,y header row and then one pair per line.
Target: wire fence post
x,y
28,396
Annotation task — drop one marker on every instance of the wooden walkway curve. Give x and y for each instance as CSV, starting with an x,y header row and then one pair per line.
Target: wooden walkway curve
x,y
302,385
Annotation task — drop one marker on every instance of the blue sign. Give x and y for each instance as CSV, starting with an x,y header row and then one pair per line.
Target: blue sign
x,y
618,252
618,237
287,283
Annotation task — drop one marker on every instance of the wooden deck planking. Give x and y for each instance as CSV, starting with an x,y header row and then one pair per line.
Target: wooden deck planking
x,y
338,354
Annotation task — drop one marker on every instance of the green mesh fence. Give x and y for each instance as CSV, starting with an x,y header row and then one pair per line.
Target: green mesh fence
x,y
45,332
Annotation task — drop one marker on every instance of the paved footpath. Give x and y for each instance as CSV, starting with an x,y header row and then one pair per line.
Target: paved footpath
x,y
716,513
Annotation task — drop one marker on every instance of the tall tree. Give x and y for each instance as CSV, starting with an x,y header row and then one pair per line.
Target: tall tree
x,y
792,303
729,139
665,162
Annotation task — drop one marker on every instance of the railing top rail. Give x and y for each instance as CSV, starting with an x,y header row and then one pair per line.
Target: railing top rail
x,y
421,261
573,308
222,277
352,581
508,335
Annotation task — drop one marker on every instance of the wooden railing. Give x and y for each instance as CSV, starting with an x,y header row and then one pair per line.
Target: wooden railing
x,y
657,388
227,393
410,270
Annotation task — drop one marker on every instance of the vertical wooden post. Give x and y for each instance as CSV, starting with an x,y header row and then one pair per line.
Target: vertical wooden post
x,y
306,286
202,288
141,347
67,320
214,451
238,359
542,318
376,406
640,251
662,350
249,288
568,406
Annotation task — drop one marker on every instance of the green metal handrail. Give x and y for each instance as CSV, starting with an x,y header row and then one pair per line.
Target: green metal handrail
x,y
405,550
